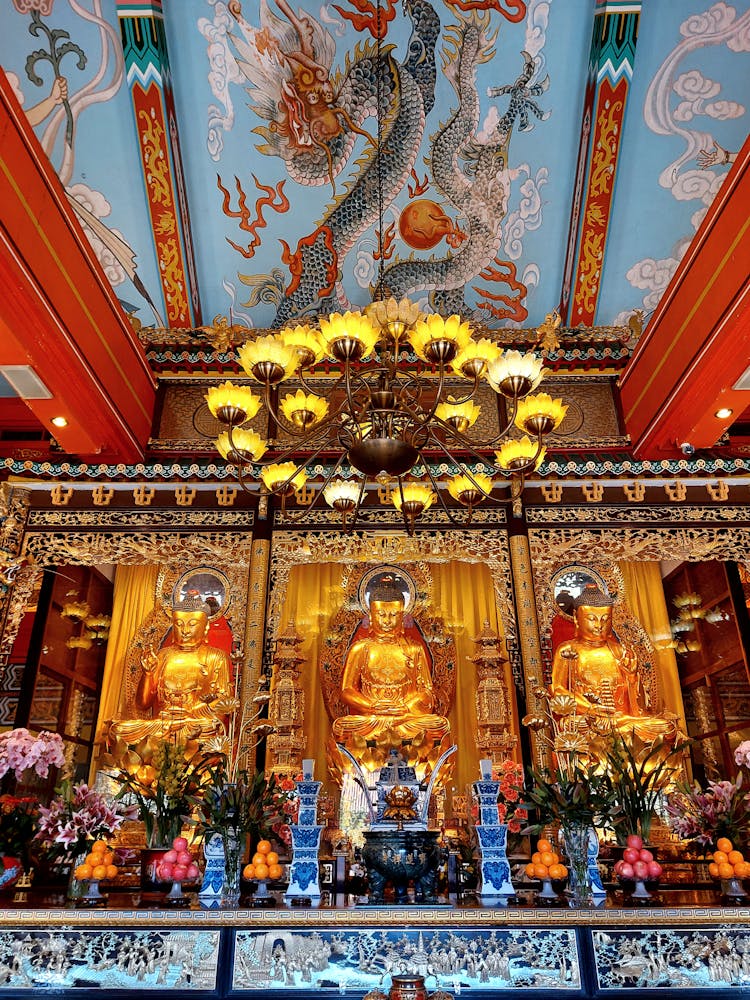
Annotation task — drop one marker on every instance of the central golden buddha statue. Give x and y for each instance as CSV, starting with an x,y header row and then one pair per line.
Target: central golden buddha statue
x,y
602,674
387,687
186,687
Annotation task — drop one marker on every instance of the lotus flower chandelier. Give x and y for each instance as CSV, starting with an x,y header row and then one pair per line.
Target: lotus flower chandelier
x,y
384,419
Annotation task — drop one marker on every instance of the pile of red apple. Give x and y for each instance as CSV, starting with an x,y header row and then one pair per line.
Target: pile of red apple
x,y
637,864
177,864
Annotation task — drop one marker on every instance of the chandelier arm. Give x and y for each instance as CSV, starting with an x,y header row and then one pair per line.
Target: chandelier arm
x,y
472,445
467,472
300,514
446,509
363,484
470,397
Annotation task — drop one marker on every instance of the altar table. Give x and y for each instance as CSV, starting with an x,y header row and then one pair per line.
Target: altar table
x,y
686,941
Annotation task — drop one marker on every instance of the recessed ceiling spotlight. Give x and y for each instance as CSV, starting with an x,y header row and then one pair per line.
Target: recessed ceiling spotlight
x,y
60,421
723,413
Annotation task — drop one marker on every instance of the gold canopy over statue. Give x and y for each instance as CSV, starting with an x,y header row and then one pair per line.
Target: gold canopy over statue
x,y
388,689
602,673
186,687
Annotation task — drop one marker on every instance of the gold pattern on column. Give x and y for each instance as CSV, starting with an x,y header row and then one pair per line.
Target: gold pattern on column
x,y
494,720
255,624
676,491
718,490
225,496
552,492
528,630
286,711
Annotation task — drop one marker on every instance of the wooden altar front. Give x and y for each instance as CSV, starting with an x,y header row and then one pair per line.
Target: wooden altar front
x,y
688,942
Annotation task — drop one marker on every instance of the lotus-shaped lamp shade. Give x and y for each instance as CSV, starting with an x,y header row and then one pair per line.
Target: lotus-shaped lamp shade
x,y
98,626
540,414
394,317
268,359
460,416
84,641
514,374
470,490
303,409
342,495
473,360
232,404
244,446
520,455
305,340
74,609
348,337
283,477
417,498
437,339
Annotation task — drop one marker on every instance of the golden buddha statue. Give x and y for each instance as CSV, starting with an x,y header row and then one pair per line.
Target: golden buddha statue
x,y
186,686
387,686
602,674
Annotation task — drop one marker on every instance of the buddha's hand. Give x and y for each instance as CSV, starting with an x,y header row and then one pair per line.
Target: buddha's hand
x,y
386,708
149,660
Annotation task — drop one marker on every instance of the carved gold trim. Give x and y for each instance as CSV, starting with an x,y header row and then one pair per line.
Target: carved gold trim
x,y
139,519
623,515
356,550
386,917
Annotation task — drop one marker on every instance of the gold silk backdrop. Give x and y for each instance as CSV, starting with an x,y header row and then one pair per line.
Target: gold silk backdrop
x,y
462,594
644,595
133,599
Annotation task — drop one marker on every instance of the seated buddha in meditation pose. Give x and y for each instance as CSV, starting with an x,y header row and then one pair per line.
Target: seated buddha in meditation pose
x,y
186,687
387,687
602,674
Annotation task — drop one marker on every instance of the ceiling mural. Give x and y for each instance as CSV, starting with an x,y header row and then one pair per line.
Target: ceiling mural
x,y
272,159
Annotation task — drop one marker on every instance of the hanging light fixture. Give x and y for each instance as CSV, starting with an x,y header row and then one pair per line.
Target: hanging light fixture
x,y
74,609
97,626
385,419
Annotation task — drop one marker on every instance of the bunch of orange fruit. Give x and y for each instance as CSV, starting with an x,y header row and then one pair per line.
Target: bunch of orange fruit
x,y
545,863
264,864
727,862
99,864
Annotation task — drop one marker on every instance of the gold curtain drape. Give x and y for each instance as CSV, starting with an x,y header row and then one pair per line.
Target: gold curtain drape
x,y
644,595
462,593
313,596
133,598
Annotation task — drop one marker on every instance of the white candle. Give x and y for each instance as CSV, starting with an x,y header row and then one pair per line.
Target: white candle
x,y
308,769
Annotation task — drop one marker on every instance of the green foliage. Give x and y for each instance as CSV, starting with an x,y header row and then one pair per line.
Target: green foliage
x,y
640,774
164,785
251,804
575,795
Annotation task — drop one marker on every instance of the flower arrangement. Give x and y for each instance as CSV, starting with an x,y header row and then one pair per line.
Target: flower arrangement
x,y
76,817
19,821
251,804
722,809
163,785
640,773
573,796
22,751
576,791
704,815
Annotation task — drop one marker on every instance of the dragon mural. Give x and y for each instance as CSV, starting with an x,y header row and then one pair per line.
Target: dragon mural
x,y
313,116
